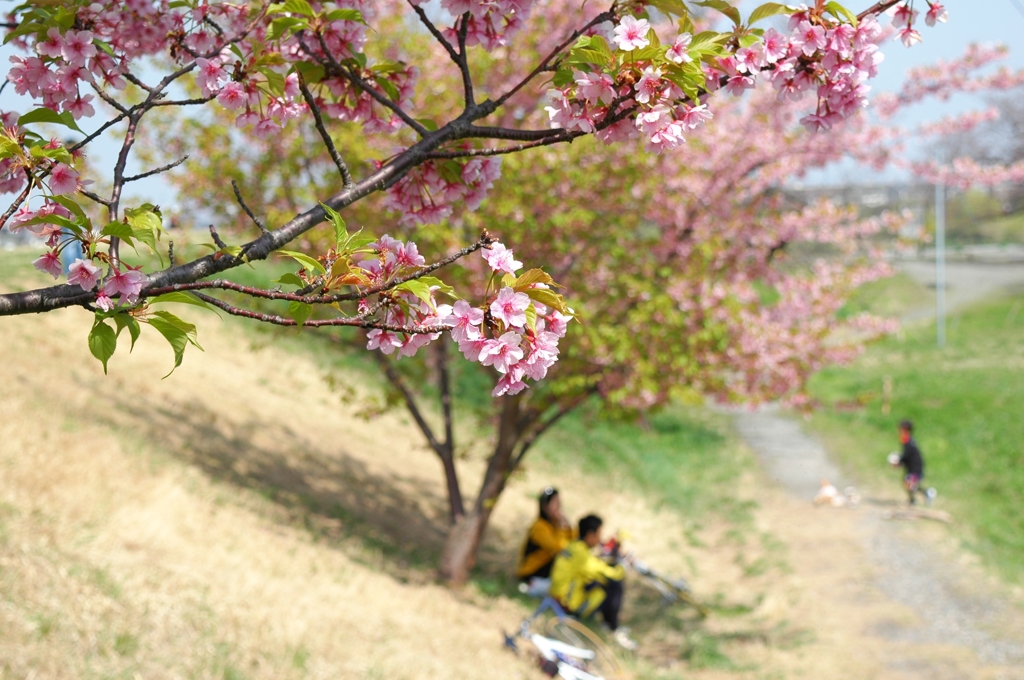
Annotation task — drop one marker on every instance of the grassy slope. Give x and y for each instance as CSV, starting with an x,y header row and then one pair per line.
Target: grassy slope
x,y
966,403
683,462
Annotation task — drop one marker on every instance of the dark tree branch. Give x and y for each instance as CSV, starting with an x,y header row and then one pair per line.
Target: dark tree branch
x,y
434,32
396,380
13,208
463,62
95,198
318,121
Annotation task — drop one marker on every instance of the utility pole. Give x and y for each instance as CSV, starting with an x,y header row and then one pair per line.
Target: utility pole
x,y
940,264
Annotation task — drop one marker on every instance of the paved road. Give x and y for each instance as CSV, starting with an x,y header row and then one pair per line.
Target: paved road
x,y
967,282
953,610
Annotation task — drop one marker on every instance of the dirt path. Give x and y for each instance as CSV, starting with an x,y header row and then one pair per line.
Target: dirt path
x,y
921,608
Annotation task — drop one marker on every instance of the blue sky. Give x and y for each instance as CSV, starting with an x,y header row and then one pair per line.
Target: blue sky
x,y
971,21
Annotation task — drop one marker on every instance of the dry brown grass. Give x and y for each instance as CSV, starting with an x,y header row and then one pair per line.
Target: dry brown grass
x,y
237,521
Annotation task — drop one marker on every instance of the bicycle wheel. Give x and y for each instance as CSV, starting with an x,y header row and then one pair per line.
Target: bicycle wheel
x,y
572,632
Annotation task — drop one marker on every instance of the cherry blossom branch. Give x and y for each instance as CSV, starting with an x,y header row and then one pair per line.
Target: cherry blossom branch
x,y
221,284
318,121
396,380
339,69
17,202
607,15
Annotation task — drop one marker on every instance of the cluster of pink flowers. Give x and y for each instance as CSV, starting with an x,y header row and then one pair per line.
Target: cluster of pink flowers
x,y
351,103
489,23
264,111
429,192
516,350
842,58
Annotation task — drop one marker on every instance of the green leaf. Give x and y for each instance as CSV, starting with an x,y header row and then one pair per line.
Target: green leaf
x,y
549,298
48,116
59,155
102,342
178,333
55,219
418,288
430,125
723,7
284,25
185,298
358,241
126,320
749,39
8,147
75,209
389,88
311,73
669,7
300,311
528,278
451,171
840,12
441,286
531,318
340,232
275,81
345,15
308,263
291,279
120,230
768,9
298,7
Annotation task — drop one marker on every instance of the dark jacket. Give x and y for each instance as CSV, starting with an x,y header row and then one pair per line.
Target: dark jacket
x,y
911,459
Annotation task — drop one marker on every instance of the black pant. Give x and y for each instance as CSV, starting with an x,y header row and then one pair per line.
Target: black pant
x,y
612,602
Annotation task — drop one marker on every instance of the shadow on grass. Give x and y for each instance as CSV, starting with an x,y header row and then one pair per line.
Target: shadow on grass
x,y
399,520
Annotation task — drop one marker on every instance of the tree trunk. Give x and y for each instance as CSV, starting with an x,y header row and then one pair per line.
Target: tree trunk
x,y
458,556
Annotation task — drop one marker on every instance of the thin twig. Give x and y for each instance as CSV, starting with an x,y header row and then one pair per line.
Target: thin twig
x,y
355,322
95,198
257,221
358,81
217,239
463,62
157,171
318,121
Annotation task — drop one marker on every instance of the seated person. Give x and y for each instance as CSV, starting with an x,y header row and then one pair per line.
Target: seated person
x,y
583,583
548,536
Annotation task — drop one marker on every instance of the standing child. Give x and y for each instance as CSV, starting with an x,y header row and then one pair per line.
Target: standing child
x,y
912,463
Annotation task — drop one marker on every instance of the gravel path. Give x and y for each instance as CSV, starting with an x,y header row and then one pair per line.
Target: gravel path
x,y
952,607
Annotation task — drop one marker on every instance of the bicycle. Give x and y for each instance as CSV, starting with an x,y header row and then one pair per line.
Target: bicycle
x,y
574,651
672,590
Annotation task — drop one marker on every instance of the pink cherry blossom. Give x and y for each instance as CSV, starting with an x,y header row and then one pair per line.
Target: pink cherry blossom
x,y
127,283
502,352
49,263
210,77
631,33
908,36
776,46
63,180
465,321
500,259
386,341
678,52
84,273
78,47
509,384
233,96
510,307
936,12
649,86
104,302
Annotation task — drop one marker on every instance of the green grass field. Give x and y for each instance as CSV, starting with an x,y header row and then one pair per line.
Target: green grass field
x,y
966,403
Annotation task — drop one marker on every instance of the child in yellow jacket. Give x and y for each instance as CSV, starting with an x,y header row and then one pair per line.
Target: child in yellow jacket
x,y
583,583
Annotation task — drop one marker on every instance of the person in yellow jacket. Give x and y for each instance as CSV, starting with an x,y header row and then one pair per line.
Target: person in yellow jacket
x,y
548,536
584,583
